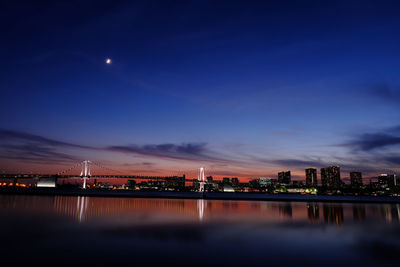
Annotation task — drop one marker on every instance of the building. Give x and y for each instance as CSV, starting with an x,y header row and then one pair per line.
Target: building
x,y
175,182
298,184
387,180
225,180
131,184
254,183
330,177
235,181
47,182
228,188
196,184
296,190
266,182
284,177
356,179
311,177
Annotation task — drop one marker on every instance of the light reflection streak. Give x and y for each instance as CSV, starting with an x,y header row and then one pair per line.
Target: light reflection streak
x,y
82,204
200,208
83,209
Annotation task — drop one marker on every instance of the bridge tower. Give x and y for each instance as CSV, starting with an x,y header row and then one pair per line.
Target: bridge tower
x,y
202,179
85,173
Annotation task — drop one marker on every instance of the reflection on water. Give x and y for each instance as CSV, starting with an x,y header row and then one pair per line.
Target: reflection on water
x,y
333,214
286,209
359,213
82,206
134,231
200,207
313,212
90,208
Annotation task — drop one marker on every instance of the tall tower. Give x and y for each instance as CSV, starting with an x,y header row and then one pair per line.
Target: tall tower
x,y
202,179
330,176
85,173
311,177
284,177
356,179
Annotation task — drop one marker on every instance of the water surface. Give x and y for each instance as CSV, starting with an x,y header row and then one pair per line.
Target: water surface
x,y
59,230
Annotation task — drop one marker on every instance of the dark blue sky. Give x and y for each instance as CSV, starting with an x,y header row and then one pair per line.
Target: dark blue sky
x,y
244,89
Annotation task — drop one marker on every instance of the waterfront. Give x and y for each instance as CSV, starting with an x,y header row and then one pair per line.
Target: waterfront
x,y
135,231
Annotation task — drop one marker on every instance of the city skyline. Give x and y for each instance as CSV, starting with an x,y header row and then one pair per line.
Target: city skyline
x,y
309,179
244,91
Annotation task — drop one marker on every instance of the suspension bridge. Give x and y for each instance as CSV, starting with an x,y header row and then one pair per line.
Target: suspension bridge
x,y
86,172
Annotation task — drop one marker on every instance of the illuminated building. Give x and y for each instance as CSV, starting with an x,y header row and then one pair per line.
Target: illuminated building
x,y
175,182
196,184
254,183
387,180
296,190
284,177
330,176
228,188
356,179
265,182
47,182
311,177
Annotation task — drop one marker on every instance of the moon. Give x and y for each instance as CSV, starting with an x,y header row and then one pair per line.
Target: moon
x,y
108,61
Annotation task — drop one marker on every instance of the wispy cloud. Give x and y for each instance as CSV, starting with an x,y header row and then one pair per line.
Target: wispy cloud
x,y
393,159
373,151
185,151
24,147
35,148
386,92
32,148
374,141
10,136
35,153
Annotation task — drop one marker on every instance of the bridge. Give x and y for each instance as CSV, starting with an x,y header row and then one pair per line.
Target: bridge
x,y
86,173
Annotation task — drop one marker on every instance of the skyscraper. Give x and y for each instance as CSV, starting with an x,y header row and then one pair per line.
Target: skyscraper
x,y
330,176
387,180
311,177
284,177
356,179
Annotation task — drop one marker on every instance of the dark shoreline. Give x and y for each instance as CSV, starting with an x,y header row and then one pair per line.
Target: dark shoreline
x,y
197,195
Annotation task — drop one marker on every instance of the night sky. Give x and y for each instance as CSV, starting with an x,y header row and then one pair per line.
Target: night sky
x,y
244,89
